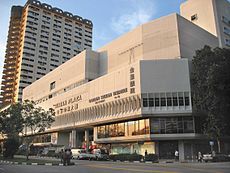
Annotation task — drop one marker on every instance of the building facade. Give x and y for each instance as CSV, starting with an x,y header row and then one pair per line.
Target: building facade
x,y
211,15
131,95
40,38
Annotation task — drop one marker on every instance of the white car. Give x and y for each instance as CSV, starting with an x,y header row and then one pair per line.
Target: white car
x,y
207,157
79,154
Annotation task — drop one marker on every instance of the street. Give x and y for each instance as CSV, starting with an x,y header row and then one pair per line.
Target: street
x,y
120,167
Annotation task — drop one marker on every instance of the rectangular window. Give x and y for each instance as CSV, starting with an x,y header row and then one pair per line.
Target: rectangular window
x,y
181,101
145,102
169,101
52,85
194,17
186,99
157,102
175,101
163,101
151,102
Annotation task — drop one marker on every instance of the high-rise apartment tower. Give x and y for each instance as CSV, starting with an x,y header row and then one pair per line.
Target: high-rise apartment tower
x,y
40,38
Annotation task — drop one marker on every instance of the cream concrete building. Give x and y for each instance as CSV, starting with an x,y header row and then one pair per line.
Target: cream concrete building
x,y
211,15
131,95
40,38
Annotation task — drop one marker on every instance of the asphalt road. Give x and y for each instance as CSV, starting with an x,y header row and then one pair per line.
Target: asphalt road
x,y
120,167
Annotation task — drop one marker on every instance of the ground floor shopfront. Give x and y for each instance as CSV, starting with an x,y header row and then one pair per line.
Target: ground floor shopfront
x,y
158,135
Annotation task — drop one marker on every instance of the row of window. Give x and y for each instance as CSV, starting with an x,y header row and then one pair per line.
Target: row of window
x,y
166,125
130,128
172,125
165,99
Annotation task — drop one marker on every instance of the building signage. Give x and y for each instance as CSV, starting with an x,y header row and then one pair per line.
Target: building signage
x,y
67,105
102,98
132,80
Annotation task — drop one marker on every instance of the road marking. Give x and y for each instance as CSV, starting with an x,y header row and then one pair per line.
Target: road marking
x,y
128,169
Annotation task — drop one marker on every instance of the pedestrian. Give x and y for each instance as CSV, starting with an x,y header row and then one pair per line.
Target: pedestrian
x,y
176,155
199,157
65,158
68,156
146,152
61,155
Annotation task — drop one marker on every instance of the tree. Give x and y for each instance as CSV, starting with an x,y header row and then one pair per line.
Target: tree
x,y
36,120
24,118
211,90
11,124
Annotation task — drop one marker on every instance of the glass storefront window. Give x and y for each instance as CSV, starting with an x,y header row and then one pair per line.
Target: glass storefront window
x,y
101,131
147,126
121,129
155,126
171,125
141,127
131,127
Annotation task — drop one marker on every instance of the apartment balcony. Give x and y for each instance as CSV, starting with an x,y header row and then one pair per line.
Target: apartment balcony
x,y
6,70
4,87
10,64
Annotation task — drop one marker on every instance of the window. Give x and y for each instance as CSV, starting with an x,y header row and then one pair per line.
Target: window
x,y
194,17
181,101
169,101
52,85
157,102
163,101
151,102
175,101
172,125
186,99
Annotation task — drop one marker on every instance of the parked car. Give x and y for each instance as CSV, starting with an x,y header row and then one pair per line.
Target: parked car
x,y
218,157
79,154
100,154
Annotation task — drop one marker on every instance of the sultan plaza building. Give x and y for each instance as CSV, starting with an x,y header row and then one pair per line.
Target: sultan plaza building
x,y
133,94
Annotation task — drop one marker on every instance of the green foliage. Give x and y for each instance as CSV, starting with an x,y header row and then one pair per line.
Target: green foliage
x,y
36,119
27,119
211,89
11,121
11,145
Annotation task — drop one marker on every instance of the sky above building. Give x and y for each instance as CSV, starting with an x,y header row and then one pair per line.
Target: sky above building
x,y
111,18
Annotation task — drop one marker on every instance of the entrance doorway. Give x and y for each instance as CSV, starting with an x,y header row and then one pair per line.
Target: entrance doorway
x,y
167,149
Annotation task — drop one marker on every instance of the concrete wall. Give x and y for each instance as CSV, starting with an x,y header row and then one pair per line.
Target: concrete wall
x,y
205,14
165,76
192,38
160,38
209,16
82,67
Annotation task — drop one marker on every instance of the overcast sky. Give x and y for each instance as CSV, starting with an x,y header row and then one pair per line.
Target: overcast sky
x,y
110,18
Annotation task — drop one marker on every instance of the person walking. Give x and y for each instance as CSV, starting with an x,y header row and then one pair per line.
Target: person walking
x,y
65,157
176,155
61,155
68,156
199,157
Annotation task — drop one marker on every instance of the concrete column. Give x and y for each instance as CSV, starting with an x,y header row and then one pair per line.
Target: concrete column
x,y
63,139
157,148
87,139
78,142
181,150
73,139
